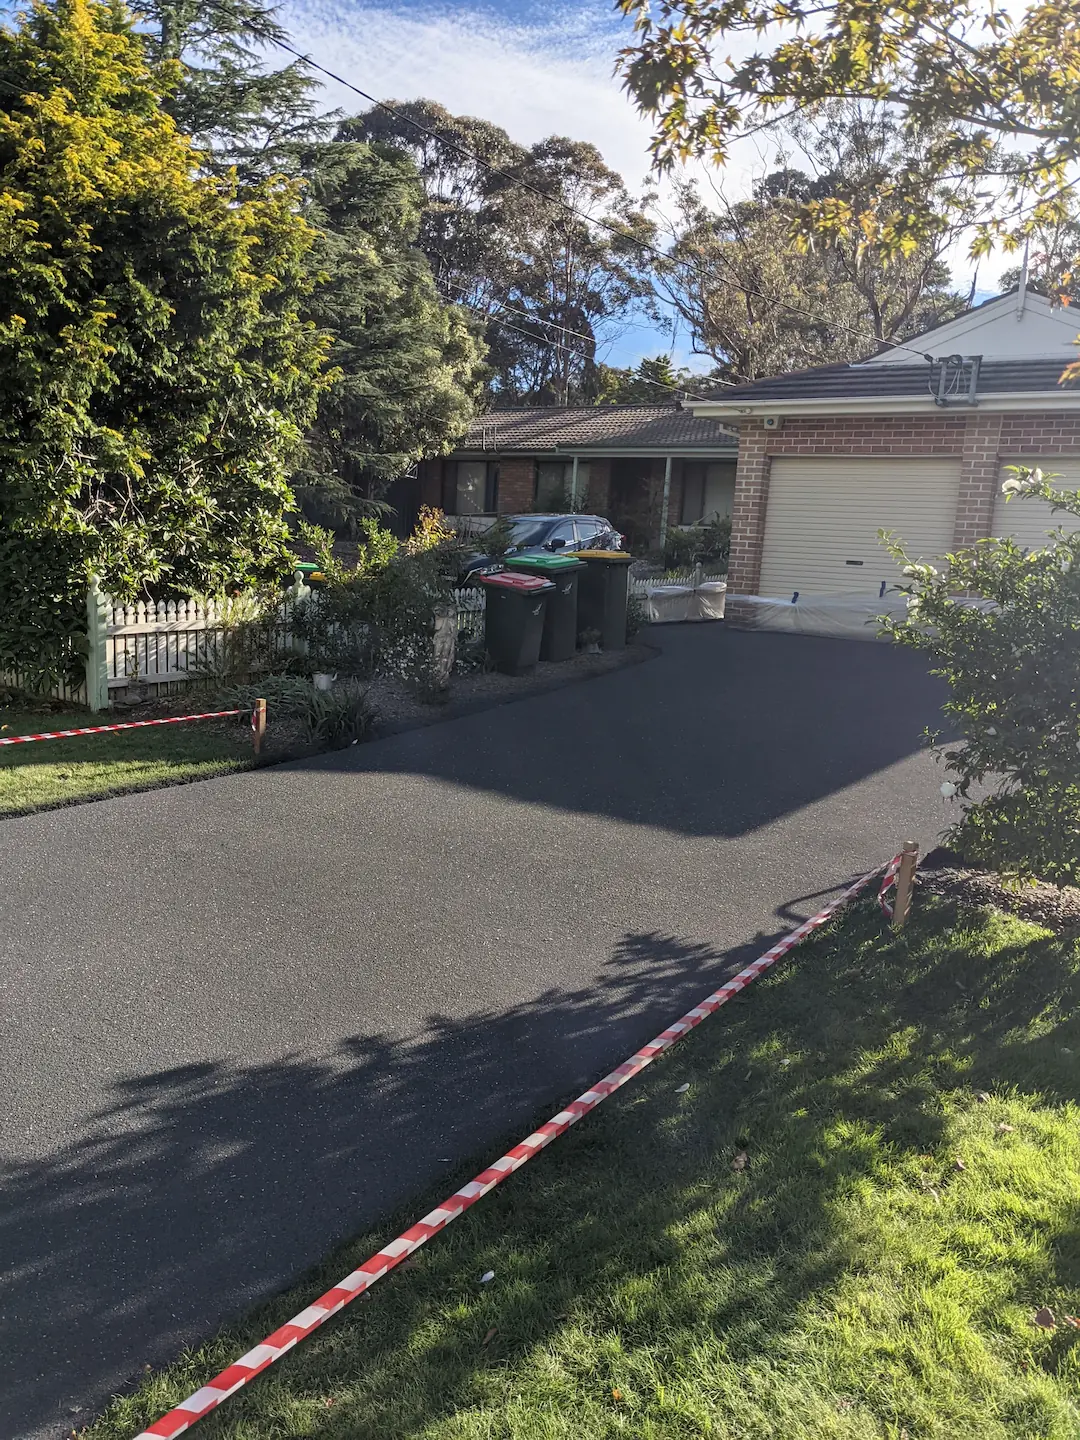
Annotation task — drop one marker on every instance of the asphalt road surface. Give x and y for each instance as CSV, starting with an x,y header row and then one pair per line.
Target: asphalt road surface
x,y
241,1019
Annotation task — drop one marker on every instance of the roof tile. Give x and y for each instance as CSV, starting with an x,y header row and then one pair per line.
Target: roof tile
x,y
886,382
646,427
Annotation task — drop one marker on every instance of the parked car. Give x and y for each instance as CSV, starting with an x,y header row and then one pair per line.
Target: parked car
x,y
553,533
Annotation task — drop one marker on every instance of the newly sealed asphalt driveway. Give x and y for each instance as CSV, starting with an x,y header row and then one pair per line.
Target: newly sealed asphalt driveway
x,y
241,1018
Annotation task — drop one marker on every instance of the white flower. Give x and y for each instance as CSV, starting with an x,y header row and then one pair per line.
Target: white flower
x,y
948,789
1012,487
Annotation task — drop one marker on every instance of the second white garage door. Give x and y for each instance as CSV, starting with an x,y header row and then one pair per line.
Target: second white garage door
x,y
823,516
1029,521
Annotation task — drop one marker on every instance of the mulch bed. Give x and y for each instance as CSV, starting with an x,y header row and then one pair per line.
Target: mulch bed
x,y
944,873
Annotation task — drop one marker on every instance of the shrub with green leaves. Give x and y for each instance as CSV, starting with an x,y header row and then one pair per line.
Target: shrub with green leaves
x,y
331,718
379,617
1013,669
157,370
704,544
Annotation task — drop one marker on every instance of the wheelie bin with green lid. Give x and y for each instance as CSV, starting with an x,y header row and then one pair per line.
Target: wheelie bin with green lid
x,y
602,592
514,619
559,641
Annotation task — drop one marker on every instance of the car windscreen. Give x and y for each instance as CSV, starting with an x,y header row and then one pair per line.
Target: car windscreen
x,y
529,531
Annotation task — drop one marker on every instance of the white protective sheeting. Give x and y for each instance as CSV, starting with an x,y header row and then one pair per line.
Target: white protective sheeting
x,y
842,617
824,513
1029,521
839,617
668,604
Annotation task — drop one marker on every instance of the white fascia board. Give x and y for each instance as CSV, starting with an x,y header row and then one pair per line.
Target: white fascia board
x,y
876,405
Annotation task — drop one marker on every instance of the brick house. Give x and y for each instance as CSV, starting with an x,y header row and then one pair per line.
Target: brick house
x,y
915,441
645,467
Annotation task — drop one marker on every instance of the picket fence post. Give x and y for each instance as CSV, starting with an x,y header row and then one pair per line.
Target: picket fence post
x,y
97,635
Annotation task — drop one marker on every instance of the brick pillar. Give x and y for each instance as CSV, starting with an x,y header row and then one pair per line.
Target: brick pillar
x,y
748,511
517,485
978,478
599,486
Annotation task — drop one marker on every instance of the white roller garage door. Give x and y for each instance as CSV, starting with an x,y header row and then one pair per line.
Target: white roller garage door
x,y
823,516
1027,521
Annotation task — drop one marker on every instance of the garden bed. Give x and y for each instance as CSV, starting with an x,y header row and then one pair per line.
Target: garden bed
x,y
844,1207
944,873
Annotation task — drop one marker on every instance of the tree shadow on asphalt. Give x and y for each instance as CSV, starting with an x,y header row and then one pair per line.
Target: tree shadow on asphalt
x,y
203,1187
197,1189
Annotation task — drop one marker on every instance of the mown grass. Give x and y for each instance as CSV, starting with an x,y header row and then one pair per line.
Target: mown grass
x,y
55,772
873,1271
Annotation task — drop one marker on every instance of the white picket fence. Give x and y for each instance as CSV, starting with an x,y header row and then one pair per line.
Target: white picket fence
x,y
166,645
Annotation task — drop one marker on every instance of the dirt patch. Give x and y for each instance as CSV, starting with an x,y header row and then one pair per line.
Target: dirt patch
x,y
944,873
396,709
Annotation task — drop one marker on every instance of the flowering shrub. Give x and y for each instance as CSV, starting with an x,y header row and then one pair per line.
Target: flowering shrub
x,y
1002,626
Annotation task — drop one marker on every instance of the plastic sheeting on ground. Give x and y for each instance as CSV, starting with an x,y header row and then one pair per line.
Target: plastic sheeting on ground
x,y
667,604
844,617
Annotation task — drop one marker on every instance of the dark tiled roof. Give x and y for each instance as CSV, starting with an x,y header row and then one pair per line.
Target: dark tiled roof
x,y
886,382
601,427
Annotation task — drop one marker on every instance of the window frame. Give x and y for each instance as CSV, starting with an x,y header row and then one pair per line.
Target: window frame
x,y
452,485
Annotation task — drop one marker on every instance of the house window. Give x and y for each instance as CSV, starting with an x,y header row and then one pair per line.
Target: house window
x,y
708,490
472,487
554,481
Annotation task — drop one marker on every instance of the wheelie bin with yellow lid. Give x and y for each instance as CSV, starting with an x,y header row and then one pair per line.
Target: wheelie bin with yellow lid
x,y
602,594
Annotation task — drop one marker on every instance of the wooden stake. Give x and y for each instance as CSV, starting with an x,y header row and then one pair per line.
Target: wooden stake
x,y
259,725
905,881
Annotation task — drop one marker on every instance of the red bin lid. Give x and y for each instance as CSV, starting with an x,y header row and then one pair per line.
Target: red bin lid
x,y
512,580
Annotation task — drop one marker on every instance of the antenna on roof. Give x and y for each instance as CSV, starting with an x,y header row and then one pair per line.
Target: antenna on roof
x,y
1021,294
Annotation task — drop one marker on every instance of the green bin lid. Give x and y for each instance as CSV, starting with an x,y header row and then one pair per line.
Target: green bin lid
x,y
543,562
307,566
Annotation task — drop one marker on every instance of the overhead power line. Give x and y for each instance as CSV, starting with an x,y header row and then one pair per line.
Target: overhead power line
x,y
575,334
556,200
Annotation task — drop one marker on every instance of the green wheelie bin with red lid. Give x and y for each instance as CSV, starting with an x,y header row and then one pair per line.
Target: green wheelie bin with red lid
x,y
559,641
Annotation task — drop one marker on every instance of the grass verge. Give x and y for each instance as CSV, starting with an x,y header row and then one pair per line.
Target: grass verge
x,y
57,772
907,1110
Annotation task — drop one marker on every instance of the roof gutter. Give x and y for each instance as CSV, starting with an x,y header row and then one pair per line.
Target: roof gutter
x,y
883,405
586,452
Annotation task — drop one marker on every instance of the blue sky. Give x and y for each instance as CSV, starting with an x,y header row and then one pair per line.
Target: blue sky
x,y
534,68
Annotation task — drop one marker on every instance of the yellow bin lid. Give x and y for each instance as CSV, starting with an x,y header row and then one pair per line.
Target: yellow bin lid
x,y
619,555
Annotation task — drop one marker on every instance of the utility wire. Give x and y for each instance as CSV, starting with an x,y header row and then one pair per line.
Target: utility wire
x,y
552,345
555,200
576,334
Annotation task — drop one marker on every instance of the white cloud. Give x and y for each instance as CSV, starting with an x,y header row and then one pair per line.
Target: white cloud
x,y
554,80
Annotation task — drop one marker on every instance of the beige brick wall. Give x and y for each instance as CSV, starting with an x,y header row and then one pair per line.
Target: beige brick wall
x,y
980,440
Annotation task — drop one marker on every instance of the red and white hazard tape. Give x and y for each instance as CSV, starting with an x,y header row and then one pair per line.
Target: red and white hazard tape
x,y
888,882
127,725
241,1371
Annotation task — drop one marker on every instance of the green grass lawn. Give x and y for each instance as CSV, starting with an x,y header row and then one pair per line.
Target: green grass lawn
x,y
911,1196
53,772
